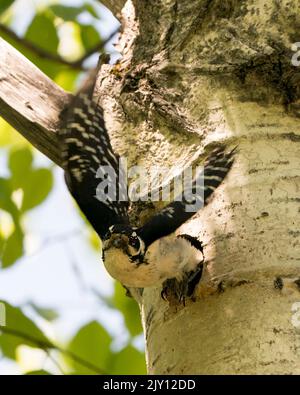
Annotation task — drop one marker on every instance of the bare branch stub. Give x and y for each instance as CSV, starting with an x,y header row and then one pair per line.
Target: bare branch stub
x,y
30,101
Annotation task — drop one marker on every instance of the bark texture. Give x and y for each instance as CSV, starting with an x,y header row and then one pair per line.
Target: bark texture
x,y
195,74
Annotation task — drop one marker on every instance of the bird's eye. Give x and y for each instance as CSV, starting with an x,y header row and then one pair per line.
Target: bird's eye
x,y
134,242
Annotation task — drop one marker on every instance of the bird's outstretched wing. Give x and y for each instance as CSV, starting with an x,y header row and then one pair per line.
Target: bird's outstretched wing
x,y
180,210
91,167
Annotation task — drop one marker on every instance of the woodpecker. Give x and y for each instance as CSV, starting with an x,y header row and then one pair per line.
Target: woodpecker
x,y
145,256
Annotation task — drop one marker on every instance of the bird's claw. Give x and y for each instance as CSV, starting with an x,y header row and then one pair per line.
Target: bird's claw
x,y
175,291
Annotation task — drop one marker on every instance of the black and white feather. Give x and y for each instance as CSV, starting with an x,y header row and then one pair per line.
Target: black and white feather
x,y
86,149
175,214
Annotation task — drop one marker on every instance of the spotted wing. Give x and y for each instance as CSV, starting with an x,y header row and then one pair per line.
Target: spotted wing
x,y
91,166
185,206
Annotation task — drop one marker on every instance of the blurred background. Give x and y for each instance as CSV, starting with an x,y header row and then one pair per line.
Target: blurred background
x,y
64,314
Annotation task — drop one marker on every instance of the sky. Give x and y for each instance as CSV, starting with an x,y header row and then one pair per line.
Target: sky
x,y
59,268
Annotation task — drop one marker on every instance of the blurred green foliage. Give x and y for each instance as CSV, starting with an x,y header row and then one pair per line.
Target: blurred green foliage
x,y
19,329
58,30
5,4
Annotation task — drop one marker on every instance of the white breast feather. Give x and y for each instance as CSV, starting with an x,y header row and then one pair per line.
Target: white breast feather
x,y
166,258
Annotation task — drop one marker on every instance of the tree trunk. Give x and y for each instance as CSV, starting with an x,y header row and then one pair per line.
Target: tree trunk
x,y
195,74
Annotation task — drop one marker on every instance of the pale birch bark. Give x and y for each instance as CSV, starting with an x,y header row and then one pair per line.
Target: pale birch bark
x,y
195,74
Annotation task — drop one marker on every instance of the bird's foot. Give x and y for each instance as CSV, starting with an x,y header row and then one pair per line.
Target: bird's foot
x,y
176,292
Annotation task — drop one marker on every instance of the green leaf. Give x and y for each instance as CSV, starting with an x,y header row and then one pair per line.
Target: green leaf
x,y
2,244
6,202
71,13
128,361
12,248
18,330
94,240
89,36
65,12
36,186
50,67
91,343
4,4
5,197
8,135
36,183
19,163
67,79
37,373
92,10
42,32
129,308
47,314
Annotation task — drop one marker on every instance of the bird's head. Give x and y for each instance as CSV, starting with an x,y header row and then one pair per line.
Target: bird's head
x,y
123,257
125,238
